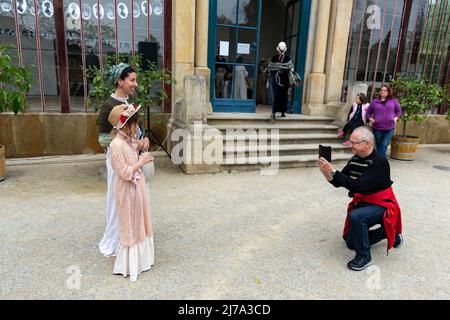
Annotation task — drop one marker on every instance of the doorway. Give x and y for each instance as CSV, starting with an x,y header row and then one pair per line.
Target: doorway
x,y
243,35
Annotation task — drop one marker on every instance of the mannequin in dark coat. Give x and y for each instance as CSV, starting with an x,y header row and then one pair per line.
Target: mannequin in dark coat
x,y
280,82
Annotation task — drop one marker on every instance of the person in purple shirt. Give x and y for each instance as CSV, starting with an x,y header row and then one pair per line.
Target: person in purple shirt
x,y
383,113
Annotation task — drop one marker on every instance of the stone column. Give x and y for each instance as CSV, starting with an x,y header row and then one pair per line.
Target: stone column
x,y
183,44
201,33
201,43
315,91
337,48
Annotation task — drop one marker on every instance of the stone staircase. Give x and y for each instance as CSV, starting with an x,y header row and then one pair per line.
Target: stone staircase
x,y
298,140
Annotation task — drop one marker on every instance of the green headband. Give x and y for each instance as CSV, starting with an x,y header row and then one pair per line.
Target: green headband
x,y
116,71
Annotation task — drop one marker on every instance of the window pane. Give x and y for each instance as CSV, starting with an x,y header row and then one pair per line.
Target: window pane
x,y
72,21
234,82
226,11
246,47
226,43
292,48
151,45
222,76
288,22
108,28
26,16
124,13
248,13
296,18
7,24
155,43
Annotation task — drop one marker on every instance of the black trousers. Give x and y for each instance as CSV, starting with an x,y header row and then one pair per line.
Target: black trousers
x,y
280,97
359,238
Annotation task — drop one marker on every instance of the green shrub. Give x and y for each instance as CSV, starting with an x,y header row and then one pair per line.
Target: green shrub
x,y
416,97
145,96
15,82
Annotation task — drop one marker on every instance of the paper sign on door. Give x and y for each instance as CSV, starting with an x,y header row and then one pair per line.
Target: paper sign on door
x,y
224,48
243,48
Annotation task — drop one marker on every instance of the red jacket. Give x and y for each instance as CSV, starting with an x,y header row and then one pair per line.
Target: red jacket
x,y
392,219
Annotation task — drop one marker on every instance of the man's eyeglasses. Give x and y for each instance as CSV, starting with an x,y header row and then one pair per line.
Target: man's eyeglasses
x,y
355,142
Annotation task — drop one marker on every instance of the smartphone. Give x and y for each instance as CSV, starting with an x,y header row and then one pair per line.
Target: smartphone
x,y
325,152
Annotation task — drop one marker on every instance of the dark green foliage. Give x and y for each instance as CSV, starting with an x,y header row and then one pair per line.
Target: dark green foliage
x,y
145,96
415,97
15,83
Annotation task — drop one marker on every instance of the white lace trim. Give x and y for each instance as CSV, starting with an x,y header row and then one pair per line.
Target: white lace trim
x,y
124,100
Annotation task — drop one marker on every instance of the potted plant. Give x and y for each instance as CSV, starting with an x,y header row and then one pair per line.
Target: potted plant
x,y
15,83
415,97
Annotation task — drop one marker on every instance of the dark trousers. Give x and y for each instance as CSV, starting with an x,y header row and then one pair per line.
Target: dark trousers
x,y
359,238
383,139
351,125
280,98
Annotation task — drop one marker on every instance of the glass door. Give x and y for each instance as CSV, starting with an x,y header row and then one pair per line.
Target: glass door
x,y
296,38
233,54
291,35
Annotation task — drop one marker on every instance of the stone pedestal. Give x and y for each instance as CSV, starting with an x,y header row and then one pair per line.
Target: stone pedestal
x,y
206,73
194,145
342,112
314,110
332,110
354,89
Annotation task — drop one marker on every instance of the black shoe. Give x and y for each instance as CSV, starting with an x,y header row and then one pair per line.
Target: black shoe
x,y
359,264
398,241
272,117
283,115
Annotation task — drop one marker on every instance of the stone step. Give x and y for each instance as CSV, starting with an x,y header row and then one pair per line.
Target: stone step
x,y
279,126
283,149
225,118
295,129
289,161
289,152
297,143
281,159
298,153
259,116
214,123
289,138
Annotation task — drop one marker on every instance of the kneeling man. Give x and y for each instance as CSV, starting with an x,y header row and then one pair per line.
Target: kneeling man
x,y
367,177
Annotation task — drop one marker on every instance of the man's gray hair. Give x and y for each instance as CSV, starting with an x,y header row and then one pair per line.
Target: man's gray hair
x,y
366,134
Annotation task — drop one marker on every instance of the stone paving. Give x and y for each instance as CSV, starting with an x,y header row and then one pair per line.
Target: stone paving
x,y
223,236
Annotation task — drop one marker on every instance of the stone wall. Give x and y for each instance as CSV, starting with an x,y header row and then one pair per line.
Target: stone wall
x,y
47,134
435,129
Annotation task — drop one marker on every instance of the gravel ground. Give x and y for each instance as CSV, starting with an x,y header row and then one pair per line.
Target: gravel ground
x,y
221,236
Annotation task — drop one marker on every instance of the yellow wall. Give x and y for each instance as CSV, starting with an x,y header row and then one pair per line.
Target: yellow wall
x,y
435,129
45,134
